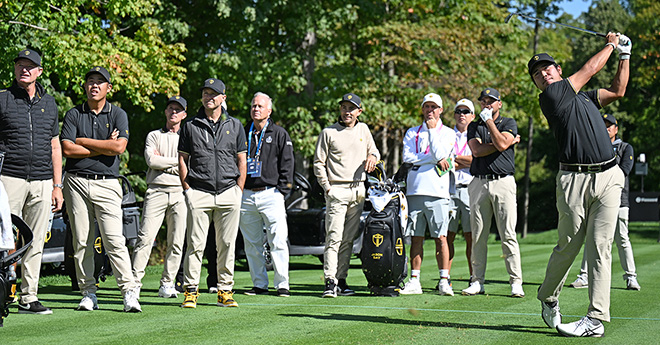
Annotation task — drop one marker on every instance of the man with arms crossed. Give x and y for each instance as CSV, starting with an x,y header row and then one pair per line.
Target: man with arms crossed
x,y
429,147
164,198
589,182
94,134
344,151
269,177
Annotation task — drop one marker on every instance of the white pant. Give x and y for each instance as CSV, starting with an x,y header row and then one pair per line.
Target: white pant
x,y
259,211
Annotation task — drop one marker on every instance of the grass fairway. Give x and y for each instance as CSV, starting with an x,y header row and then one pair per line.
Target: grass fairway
x,y
305,318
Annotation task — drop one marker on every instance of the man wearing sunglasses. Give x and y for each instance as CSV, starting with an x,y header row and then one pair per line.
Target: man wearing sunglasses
x,y
460,200
493,191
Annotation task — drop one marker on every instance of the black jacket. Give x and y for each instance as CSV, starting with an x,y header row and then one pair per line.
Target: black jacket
x,y
26,129
212,165
276,156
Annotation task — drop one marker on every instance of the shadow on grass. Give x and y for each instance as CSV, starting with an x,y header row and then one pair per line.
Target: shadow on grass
x,y
389,320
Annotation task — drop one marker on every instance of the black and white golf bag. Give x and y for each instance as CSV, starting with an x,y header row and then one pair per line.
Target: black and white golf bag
x,y
383,255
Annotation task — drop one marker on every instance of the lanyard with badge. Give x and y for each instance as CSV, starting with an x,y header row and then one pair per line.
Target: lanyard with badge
x,y
253,164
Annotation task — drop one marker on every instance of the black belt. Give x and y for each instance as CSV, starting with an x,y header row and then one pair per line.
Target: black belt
x,y
259,189
461,186
95,176
493,176
588,168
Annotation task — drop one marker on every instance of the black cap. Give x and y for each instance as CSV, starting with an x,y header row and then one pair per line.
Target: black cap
x,y
490,92
180,100
30,55
99,70
353,98
610,118
537,59
214,84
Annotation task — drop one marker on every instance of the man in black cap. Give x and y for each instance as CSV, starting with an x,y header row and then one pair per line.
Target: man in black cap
x,y
212,168
270,177
344,152
163,198
493,191
32,171
625,159
589,182
94,134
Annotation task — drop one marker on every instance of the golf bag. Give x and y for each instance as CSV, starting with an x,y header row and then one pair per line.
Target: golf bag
x,y
383,254
6,279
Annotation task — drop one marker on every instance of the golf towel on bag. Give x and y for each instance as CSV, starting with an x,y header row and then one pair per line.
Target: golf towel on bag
x,y
383,253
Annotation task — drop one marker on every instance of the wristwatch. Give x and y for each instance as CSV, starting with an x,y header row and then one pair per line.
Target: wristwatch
x,y
58,185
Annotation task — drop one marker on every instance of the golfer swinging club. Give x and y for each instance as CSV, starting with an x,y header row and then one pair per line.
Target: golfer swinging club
x,y
589,181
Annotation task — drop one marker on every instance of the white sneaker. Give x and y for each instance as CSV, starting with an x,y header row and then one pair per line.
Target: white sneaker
x,y
167,291
213,290
632,284
580,283
88,302
475,288
585,327
517,291
444,288
131,303
412,287
551,315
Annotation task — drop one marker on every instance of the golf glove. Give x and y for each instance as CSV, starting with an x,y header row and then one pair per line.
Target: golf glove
x,y
624,47
486,114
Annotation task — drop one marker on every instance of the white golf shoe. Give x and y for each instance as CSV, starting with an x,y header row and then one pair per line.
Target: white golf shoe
x,y
167,291
517,291
585,327
444,288
475,288
88,302
550,314
412,287
580,283
131,304
632,284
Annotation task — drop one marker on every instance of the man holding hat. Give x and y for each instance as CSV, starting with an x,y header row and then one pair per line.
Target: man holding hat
x,y
163,198
94,134
493,191
344,152
460,200
625,159
589,181
212,168
429,147
32,171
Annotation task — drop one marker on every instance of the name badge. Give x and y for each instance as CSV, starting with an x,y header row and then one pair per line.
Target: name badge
x,y
254,167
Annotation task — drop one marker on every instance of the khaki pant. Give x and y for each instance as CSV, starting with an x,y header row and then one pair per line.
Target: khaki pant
x,y
87,200
588,205
497,198
158,205
624,246
344,205
31,200
224,209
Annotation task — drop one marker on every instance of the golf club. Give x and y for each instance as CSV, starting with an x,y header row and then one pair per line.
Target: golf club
x,y
508,18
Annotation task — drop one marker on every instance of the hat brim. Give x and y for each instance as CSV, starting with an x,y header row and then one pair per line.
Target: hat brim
x,y
99,73
29,59
350,101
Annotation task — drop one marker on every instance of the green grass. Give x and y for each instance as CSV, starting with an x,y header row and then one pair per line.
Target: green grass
x,y
305,318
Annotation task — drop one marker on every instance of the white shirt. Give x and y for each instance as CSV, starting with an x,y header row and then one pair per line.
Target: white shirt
x,y
424,148
461,148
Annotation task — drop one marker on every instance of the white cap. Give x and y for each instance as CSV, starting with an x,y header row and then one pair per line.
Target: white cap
x,y
433,97
466,102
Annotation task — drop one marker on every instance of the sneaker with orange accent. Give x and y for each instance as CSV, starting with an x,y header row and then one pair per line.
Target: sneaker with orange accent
x,y
226,299
190,298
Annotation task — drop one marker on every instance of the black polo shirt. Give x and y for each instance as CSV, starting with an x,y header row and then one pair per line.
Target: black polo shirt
x,y
82,122
499,163
576,123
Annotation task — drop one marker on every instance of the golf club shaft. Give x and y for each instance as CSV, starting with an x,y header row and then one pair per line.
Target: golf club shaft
x,y
566,25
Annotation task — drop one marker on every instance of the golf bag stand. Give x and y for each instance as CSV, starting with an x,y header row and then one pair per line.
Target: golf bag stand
x,y
6,281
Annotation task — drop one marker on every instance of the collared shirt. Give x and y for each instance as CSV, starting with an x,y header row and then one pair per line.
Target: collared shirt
x,y
82,122
461,148
499,163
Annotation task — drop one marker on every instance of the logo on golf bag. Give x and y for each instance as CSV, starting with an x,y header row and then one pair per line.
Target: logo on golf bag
x,y
97,245
399,246
377,239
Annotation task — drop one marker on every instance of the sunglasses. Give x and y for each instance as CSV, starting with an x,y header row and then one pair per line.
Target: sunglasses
x,y
462,111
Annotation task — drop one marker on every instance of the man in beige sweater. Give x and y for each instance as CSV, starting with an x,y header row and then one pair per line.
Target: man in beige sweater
x,y
344,151
164,197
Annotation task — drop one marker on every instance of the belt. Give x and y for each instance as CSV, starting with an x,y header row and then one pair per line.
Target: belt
x,y
588,168
461,185
493,176
259,189
95,176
